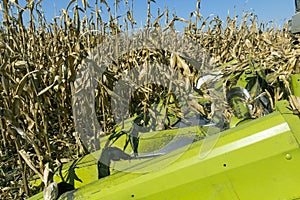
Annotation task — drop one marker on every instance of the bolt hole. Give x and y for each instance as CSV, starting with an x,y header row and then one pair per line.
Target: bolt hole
x,y
224,165
132,196
298,80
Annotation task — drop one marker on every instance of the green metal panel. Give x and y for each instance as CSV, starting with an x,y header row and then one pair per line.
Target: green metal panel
x,y
259,159
295,79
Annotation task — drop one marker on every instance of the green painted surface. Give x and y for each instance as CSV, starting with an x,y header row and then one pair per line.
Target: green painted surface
x,y
295,79
259,159
248,159
84,170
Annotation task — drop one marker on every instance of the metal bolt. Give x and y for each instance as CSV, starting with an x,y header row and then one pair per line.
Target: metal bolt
x,y
288,156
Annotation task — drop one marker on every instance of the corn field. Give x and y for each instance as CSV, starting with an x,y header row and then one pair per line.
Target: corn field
x,y
39,62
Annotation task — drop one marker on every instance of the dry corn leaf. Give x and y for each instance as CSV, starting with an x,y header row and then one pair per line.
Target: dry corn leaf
x,y
29,163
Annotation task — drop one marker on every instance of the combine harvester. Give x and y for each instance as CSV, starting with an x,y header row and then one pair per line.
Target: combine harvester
x,y
256,159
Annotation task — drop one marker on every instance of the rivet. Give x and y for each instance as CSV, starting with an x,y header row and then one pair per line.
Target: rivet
x,y
288,156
